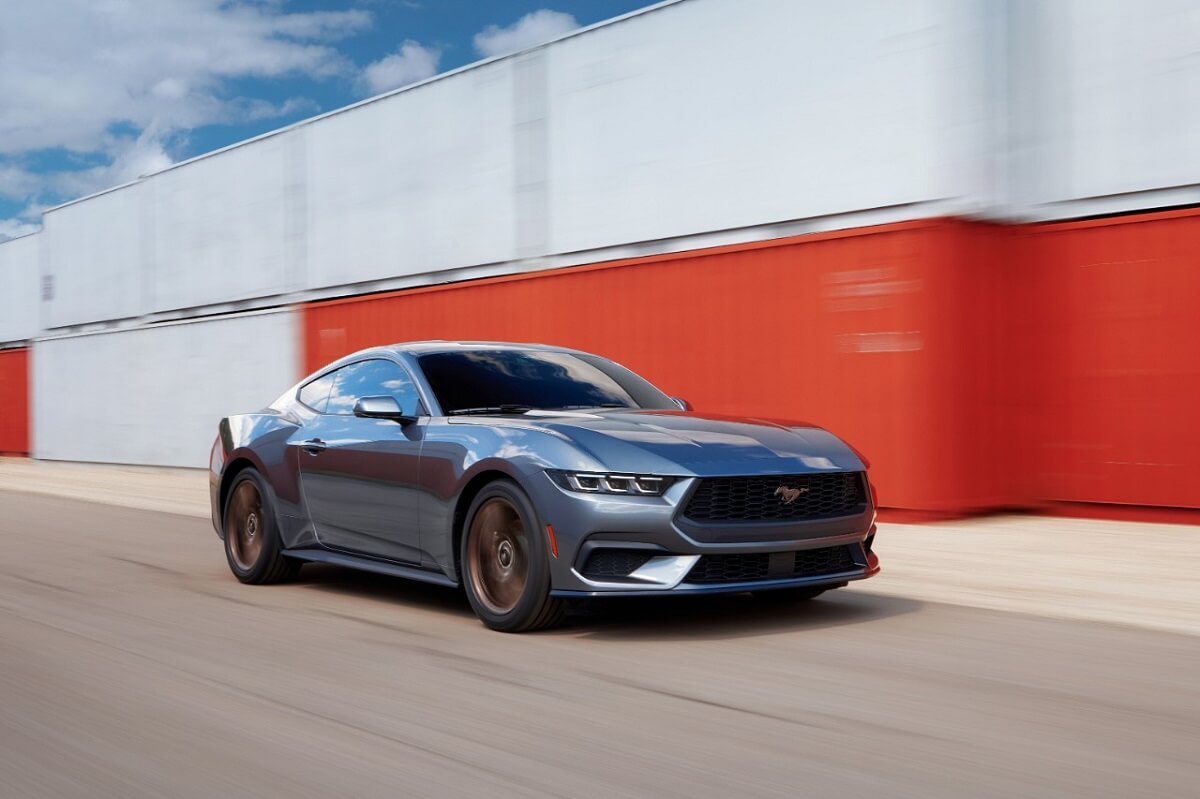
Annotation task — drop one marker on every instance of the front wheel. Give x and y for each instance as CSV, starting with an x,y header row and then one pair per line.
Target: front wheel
x,y
505,566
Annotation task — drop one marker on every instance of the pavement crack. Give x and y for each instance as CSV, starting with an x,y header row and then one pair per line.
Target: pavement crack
x,y
227,598
42,583
706,702
383,625
150,566
833,723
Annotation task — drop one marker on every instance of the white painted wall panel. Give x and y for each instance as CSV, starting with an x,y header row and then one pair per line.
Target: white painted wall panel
x,y
154,395
416,182
220,225
1110,102
93,256
713,114
19,288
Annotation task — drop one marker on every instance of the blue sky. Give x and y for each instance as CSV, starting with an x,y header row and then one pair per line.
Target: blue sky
x,y
99,93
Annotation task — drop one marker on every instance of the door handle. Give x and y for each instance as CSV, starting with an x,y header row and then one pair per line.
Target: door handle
x,y
314,446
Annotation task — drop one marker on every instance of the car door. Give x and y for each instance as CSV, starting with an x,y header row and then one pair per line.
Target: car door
x,y
359,476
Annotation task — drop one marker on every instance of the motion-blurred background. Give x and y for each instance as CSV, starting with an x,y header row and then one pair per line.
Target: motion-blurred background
x,y
962,234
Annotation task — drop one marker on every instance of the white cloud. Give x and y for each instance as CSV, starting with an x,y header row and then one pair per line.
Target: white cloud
x,y
530,30
16,182
131,158
71,69
116,82
411,63
13,228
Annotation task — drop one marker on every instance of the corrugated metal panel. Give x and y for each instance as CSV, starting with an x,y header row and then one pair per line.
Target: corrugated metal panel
x,y
93,255
154,395
893,337
19,294
14,401
1122,352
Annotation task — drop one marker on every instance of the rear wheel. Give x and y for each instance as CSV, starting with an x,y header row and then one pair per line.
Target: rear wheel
x,y
505,569
252,545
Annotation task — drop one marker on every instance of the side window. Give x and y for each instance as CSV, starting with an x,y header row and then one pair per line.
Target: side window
x,y
376,378
315,394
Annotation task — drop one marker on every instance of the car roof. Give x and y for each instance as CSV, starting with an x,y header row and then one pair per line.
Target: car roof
x,y
430,347
425,347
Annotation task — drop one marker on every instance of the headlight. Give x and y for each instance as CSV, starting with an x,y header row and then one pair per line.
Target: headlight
x,y
642,485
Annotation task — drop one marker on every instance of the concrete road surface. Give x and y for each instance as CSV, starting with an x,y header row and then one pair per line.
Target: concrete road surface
x,y
132,664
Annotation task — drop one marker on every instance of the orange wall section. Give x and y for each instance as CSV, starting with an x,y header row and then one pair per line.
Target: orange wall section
x,y
900,338
14,401
1121,372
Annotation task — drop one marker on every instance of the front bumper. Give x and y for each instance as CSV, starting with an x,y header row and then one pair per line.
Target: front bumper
x,y
836,580
671,546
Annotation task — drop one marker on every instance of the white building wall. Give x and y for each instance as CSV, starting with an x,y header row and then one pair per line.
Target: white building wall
x,y
92,258
154,395
221,226
416,182
19,289
1107,96
712,115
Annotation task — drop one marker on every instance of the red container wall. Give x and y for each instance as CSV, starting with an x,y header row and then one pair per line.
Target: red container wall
x,y
1122,360
14,402
893,337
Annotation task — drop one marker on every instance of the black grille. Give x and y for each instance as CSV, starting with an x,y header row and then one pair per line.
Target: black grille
x,y
729,568
815,562
757,566
614,564
762,499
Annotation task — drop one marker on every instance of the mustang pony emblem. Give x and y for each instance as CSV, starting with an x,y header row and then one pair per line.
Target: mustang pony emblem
x,y
789,495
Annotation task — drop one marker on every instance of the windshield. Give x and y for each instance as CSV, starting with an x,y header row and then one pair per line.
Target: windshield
x,y
515,381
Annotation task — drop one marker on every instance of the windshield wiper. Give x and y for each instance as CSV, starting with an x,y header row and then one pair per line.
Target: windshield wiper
x,y
601,405
489,409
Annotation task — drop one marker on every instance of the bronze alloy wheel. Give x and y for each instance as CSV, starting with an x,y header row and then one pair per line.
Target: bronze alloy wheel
x,y
245,525
498,555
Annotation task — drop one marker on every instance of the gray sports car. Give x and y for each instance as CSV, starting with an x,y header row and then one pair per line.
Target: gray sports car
x,y
531,475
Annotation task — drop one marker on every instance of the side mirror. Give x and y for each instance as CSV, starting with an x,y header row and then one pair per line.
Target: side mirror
x,y
381,408
683,404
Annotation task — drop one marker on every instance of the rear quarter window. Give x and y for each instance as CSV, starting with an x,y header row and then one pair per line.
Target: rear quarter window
x,y
315,393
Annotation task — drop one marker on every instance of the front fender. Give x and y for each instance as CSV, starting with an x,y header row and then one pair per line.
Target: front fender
x,y
457,459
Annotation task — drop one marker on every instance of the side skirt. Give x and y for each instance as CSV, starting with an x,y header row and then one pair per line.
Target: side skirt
x,y
370,565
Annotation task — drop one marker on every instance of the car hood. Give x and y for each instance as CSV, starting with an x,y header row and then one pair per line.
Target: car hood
x,y
687,443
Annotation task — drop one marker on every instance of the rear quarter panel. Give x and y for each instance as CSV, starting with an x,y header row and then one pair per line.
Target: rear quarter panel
x,y
258,440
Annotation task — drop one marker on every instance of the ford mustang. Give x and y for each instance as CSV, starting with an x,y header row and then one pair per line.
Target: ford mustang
x,y
530,475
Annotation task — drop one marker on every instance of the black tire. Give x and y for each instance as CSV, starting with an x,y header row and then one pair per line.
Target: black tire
x,y
504,563
252,546
787,596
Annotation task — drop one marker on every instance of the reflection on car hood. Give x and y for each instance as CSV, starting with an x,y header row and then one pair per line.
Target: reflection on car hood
x,y
681,443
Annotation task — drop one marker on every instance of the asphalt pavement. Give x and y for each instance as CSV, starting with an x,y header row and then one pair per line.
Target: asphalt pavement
x,y
132,664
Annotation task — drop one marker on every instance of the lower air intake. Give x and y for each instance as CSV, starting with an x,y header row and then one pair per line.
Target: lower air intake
x,y
614,564
712,569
